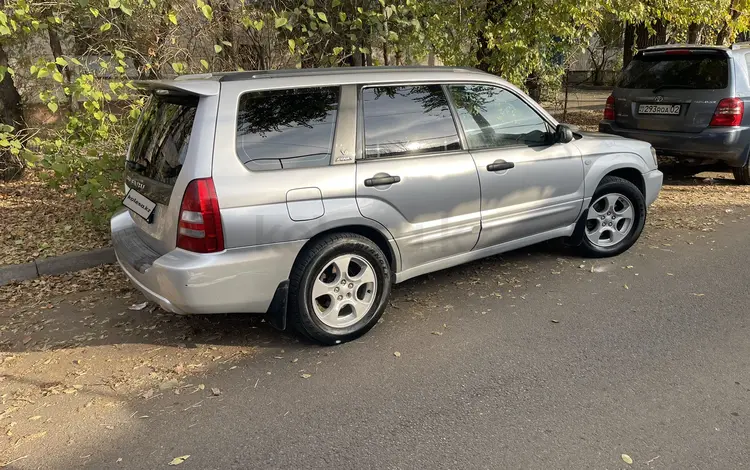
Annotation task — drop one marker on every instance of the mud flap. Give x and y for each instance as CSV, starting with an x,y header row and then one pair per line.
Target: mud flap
x,y
276,314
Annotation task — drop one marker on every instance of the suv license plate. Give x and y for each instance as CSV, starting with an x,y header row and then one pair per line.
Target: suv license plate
x,y
669,109
139,204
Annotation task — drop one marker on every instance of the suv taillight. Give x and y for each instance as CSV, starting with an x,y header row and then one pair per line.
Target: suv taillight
x,y
199,228
729,113
609,109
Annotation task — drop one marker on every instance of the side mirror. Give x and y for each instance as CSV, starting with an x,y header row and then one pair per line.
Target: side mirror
x,y
563,134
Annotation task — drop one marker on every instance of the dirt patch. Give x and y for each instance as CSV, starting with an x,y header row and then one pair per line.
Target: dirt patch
x,y
81,347
585,120
41,221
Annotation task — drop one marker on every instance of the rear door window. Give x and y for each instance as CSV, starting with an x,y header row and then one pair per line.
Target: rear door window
x,y
161,138
407,120
685,70
282,129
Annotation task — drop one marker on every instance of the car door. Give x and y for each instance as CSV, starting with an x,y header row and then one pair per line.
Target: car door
x,y
529,183
412,174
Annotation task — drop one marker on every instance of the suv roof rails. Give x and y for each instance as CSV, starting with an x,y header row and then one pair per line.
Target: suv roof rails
x,y
249,75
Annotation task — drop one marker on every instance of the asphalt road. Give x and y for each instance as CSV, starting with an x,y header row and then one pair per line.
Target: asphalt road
x,y
658,370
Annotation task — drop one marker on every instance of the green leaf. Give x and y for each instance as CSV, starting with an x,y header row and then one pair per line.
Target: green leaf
x,y
204,63
172,17
292,45
258,25
335,3
112,118
342,16
114,4
52,106
311,3
34,69
126,10
42,73
57,76
338,50
94,12
61,62
4,30
105,27
208,12
280,21
227,43
76,61
119,54
322,17
218,48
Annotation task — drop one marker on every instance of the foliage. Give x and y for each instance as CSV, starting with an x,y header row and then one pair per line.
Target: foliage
x,y
89,93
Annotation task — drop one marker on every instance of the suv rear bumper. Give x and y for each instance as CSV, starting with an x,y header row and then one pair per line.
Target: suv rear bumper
x,y
239,280
728,144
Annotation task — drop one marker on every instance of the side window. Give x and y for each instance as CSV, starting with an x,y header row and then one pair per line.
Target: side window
x,y
747,59
493,117
281,129
407,120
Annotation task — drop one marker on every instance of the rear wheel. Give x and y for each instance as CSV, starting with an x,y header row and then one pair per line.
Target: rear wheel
x,y
339,288
614,220
742,174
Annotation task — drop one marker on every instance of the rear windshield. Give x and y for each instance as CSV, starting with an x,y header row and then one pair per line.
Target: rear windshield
x,y
697,71
161,138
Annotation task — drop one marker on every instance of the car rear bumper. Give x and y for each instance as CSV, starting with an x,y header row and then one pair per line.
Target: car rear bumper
x,y
729,144
237,280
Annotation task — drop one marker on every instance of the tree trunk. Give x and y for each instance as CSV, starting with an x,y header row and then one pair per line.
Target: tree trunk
x,y
11,113
494,12
695,31
726,30
629,42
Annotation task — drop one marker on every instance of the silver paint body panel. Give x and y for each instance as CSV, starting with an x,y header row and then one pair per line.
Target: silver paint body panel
x,y
447,209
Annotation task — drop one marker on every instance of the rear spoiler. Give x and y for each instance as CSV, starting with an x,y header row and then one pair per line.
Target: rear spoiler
x,y
192,87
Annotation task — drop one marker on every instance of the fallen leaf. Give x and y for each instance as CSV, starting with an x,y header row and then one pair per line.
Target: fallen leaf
x,y
437,333
215,392
201,386
626,458
294,360
140,306
626,286
34,418
306,376
397,354
555,321
179,460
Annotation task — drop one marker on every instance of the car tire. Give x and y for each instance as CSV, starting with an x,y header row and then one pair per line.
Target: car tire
x,y
742,174
338,288
614,220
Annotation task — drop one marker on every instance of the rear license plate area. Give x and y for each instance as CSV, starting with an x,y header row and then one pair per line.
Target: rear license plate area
x,y
139,204
660,109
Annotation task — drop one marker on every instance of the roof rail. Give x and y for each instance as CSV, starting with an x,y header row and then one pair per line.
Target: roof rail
x,y
252,74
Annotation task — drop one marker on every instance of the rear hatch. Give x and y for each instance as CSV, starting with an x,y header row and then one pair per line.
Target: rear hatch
x,y
673,90
160,152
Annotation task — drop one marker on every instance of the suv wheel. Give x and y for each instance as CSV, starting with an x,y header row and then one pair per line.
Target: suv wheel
x,y
742,174
614,220
339,288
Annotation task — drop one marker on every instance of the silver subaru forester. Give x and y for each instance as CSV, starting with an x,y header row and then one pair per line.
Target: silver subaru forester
x,y
306,194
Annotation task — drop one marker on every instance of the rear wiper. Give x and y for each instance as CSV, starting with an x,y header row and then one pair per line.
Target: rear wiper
x,y
672,87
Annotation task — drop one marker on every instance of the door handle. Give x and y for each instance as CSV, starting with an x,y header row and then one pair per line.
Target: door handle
x,y
382,180
500,165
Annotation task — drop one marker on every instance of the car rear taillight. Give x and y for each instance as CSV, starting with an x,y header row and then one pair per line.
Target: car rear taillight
x,y
609,109
199,228
729,113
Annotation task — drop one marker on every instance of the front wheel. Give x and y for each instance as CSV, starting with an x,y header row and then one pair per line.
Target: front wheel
x,y
339,288
614,220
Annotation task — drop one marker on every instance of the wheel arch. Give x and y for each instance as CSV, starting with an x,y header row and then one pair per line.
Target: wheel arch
x,y
376,235
628,166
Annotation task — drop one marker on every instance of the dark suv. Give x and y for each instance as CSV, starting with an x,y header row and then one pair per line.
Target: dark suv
x,y
689,102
